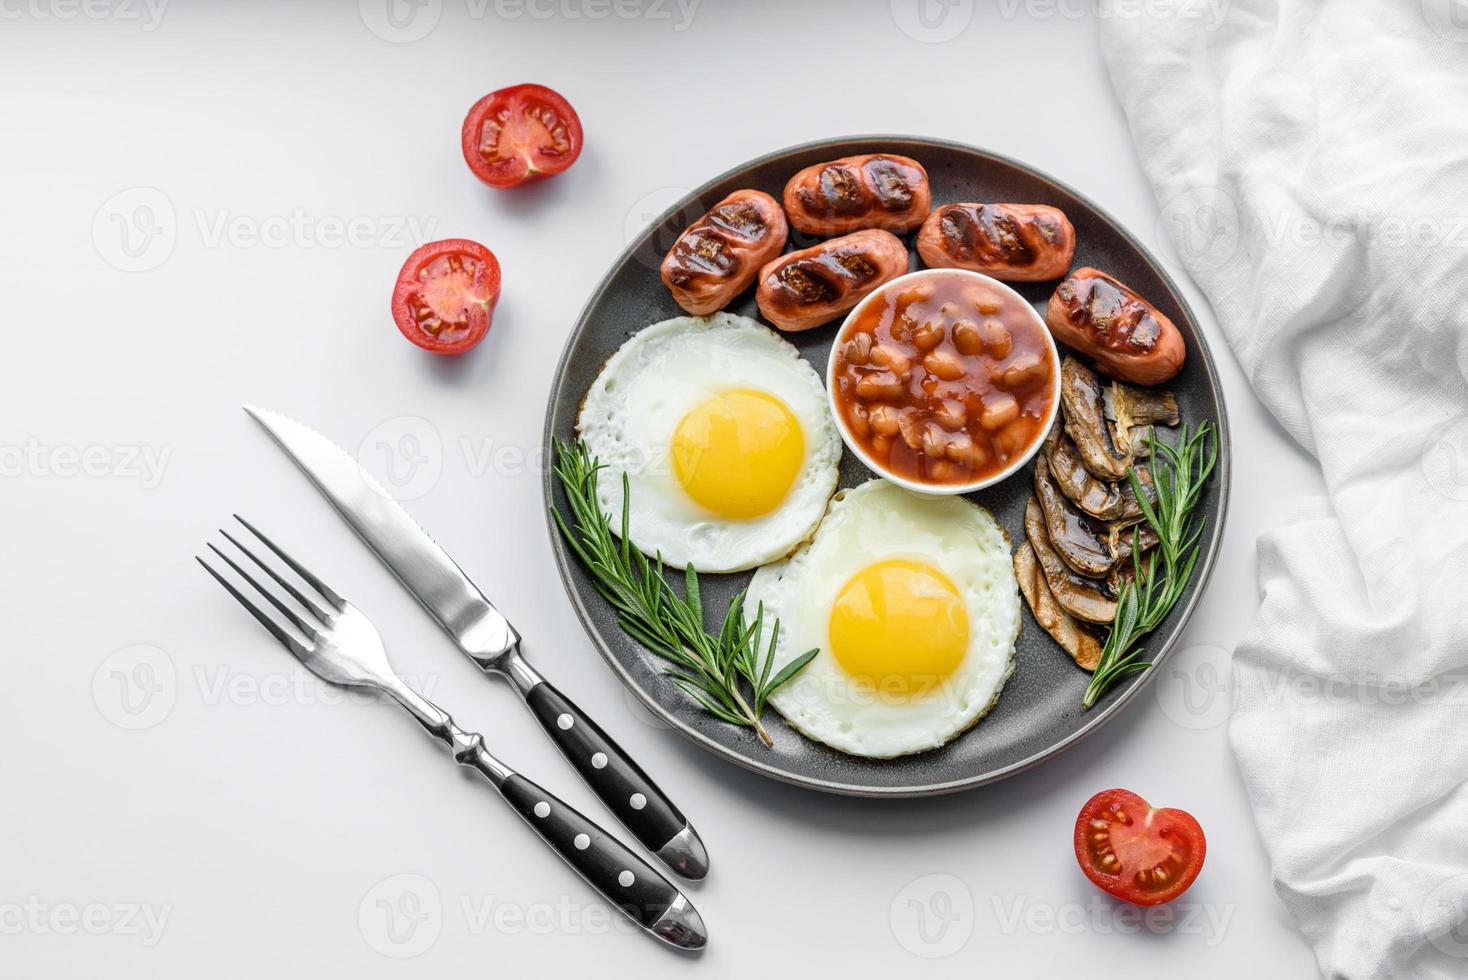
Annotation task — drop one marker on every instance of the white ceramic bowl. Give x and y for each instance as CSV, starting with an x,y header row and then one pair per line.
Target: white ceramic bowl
x,y
936,489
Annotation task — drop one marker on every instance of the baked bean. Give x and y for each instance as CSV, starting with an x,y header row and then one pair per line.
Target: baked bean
x,y
943,471
1025,370
882,446
934,439
889,357
918,293
1000,409
951,414
967,338
928,336
997,339
881,386
1013,439
911,429
945,365
967,452
859,349
859,423
883,419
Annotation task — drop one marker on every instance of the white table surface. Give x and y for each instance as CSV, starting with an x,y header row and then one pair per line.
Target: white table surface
x,y
179,801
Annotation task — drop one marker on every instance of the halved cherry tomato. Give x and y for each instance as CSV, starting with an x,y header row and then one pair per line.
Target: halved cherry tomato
x,y
519,134
1135,853
445,294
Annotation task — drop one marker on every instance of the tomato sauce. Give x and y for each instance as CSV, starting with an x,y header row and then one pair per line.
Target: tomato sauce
x,y
944,379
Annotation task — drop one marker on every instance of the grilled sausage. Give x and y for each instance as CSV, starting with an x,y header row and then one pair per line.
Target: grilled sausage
x,y
1013,242
816,285
721,253
1124,334
876,190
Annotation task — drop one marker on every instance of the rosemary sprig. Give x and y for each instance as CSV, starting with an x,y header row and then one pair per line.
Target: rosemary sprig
x,y
1178,476
708,667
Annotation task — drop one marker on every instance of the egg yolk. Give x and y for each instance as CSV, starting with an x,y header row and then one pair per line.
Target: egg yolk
x,y
738,454
900,626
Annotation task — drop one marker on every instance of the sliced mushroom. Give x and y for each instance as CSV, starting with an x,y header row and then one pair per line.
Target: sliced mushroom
x,y
1120,539
1075,638
1133,412
1099,498
1083,402
1140,406
1138,440
1084,542
1084,598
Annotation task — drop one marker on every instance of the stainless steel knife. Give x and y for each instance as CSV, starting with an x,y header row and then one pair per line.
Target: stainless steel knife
x,y
483,633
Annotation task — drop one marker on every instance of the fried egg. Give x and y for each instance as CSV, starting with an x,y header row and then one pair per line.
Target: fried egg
x,y
724,435
912,603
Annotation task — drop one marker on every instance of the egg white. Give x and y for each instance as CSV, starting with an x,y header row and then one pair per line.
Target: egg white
x,y
873,522
634,406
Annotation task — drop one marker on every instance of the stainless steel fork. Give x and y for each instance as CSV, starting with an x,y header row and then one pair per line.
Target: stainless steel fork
x,y
342,647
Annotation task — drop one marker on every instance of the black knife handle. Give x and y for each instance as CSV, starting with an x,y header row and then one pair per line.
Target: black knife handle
x,y
623,878
622,785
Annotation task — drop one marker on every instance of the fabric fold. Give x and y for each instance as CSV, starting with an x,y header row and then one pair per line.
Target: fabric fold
x,y
1310,158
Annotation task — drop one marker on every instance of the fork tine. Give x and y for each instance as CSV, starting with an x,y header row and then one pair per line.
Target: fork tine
x,y
296,593
292,644
310,629
297,567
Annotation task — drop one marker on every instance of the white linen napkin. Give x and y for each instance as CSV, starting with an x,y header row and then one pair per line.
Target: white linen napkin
x,y
1311,161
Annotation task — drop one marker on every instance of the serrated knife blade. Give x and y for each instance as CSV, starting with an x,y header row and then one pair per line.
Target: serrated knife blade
x,y
424,568
479,629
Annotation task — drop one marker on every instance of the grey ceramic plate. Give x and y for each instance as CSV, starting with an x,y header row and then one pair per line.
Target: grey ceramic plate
x,y
1039,713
